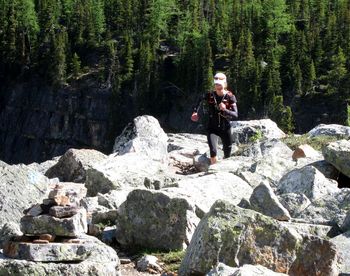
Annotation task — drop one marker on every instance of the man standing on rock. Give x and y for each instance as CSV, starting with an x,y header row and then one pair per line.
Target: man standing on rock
x,y
222,108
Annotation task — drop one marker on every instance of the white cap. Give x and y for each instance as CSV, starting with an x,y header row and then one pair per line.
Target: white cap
x,y
220,78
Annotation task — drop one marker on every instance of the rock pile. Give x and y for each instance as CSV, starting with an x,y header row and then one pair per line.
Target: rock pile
x,y
54,232
51,229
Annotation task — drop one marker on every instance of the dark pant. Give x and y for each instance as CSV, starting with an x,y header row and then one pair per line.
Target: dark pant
x,y
226,138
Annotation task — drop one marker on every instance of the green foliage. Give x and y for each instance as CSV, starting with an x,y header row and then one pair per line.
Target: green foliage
x,y
318,142
256,137
76,65
304,46
282,115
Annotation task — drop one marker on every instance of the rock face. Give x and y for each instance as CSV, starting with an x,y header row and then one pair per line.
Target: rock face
x,y
16,184
238,236
265,201
40,122
266,127
168,220
143,136
99,259
335,130
123,172
308,181
338,154
72,166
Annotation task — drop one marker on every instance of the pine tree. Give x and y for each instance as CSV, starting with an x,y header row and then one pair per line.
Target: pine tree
x,y
76,65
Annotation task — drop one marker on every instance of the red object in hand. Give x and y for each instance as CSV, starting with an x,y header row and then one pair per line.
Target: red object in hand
x,y
194,117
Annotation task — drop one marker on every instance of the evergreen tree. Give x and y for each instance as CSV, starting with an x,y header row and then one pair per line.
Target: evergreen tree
x,y
76,65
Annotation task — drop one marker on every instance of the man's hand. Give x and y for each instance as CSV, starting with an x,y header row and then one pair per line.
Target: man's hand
x,y
194,117
222,106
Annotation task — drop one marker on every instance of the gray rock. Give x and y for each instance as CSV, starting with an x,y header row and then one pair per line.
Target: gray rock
x,y
16,184
266,148
342,242
156,220
243,134
143,136
294,203
305,229
264,200
50,252
205,190
34,211
201,163
124,172
308,181
113,199
245,270
346,224
63,211
44,166
334,130
273,168
66,227
108,235
338,154
267,128
148,263
234,165
330,209
102,260
187,144
238,236
252,179
7,231
327,169
72,166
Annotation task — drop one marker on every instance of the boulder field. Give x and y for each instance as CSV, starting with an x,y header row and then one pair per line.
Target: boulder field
x,y
266,210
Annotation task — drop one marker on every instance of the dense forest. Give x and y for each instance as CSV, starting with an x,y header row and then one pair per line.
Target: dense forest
x,y
271,50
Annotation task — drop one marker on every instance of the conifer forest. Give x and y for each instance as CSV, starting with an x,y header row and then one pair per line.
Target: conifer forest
x,y
271,50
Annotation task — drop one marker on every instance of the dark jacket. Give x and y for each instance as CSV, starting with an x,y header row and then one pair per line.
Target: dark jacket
x,y
219,119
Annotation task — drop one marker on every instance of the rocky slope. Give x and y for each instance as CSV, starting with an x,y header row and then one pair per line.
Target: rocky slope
x,y
266,210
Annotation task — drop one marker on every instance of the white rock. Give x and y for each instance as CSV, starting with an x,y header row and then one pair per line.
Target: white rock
x,y
143,136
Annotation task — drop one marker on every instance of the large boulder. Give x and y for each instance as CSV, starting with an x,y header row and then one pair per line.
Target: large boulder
x,y
20,187
156,220
100,260
264,200
72,166
308,181
143,136
205,190
338,154
243,131
124,172
238,236
342,242
334,130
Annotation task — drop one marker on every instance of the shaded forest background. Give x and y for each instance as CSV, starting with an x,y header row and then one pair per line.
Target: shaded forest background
x,y
151,51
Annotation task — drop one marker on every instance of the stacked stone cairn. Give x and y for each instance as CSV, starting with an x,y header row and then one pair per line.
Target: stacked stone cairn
x,y
54,230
